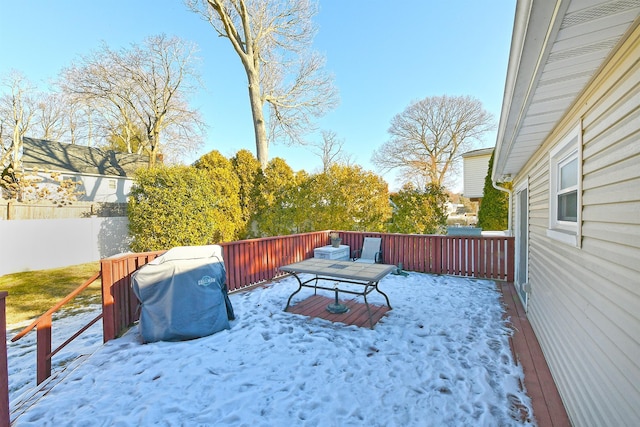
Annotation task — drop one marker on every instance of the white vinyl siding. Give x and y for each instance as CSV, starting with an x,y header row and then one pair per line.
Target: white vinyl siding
x,y
475,172
585,301
97,188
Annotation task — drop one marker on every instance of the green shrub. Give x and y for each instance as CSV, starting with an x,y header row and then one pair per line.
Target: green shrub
x,y
176,206
494,209
418,212
347,197
249,173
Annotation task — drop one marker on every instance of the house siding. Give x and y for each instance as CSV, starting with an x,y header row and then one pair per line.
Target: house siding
x,y
475,172
93,188
92,167
584,304
97,189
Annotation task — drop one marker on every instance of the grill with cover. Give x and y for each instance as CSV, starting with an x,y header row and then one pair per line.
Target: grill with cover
x,y
183,294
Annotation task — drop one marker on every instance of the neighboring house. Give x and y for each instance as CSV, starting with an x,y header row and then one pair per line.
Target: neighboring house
x,y
475,167
569,140
102,175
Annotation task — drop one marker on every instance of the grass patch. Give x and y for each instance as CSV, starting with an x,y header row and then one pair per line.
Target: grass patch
x,y
32,293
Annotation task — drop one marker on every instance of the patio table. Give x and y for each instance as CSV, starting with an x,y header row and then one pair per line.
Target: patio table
x,y
366,275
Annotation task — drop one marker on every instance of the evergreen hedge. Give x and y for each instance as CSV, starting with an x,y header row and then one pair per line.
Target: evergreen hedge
x,y
494,209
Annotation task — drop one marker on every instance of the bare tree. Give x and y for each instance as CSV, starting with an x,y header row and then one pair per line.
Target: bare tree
x,y
50,117
79,121
429,136
330,150
16,116
144,87
273,40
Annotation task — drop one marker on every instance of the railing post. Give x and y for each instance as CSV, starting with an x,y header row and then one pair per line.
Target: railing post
x,y
437,245
108,329
43,349
4,369
510,258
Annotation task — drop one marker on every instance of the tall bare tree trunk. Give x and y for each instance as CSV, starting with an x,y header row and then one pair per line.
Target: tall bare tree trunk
x,y
260,130
154,142
273,40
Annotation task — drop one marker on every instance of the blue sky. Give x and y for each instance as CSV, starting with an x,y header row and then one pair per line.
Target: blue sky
x,y
382,54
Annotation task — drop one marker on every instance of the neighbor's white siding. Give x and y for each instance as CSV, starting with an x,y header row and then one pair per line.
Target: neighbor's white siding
x,y
105,188
585,302
475,172
92,188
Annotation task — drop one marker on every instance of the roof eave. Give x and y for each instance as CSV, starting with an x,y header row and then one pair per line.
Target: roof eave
x,y
558,49
534,26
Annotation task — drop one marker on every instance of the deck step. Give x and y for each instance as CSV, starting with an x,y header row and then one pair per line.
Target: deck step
x,y
30,398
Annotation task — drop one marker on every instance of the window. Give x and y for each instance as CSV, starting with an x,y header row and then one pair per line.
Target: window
x,y
112,184
565,174
567,196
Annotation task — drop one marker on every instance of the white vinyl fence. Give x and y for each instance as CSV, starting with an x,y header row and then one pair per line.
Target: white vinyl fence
x,y
38,244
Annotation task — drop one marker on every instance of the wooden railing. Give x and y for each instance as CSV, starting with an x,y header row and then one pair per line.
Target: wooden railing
x,y
4,369
43,330
250,262
488,257
119,303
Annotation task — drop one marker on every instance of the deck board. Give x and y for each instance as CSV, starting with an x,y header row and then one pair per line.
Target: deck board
x,y
316,306
547,404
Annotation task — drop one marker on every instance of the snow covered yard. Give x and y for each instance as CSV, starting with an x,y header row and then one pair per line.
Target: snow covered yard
x,y
440,357
22,353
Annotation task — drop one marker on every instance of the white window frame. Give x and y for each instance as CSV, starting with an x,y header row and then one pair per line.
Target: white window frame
x,y
568,149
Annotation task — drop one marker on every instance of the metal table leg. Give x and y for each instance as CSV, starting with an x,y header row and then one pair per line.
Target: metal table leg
x,y
295,292
385,296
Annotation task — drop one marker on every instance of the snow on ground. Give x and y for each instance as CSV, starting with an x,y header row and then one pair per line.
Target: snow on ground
x,y
441,357
22,353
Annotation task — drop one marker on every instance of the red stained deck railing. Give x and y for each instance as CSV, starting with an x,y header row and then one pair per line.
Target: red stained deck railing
x,y
483,257
43,330
4,369
119,303
250,262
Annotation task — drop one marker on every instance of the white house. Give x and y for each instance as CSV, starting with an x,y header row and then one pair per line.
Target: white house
x,y
475,167
103,175
569,140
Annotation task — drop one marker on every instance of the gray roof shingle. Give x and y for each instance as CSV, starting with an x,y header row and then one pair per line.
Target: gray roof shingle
x,y
60,157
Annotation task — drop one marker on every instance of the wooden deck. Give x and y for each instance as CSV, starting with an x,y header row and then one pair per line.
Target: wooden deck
x,y
547,405
316,306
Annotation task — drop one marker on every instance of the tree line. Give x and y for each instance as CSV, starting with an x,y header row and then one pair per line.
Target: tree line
x,y
132,100
220,199
136,99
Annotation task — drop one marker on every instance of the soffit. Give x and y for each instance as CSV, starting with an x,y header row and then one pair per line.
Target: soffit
x,y
557,48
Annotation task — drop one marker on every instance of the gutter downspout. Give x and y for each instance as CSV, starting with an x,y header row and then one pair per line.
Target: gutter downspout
x,y
510,193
